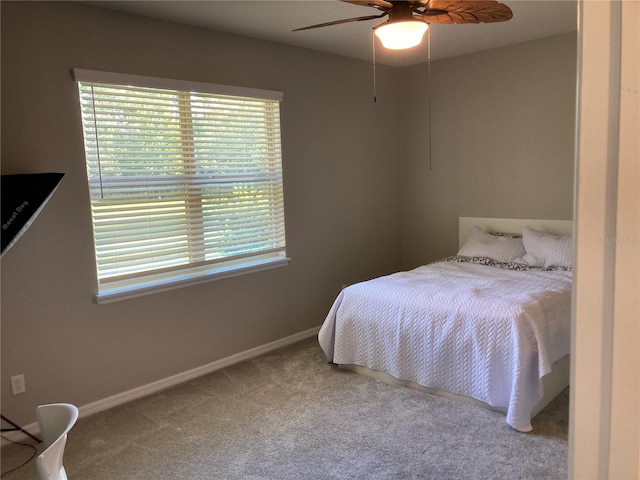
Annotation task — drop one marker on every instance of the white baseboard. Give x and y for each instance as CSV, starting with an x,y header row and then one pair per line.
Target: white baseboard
x,y
150,388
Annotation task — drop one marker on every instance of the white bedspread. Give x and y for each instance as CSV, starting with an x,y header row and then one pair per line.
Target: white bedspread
x,y
475,330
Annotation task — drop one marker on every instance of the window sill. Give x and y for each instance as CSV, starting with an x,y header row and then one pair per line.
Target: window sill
x,y
118,293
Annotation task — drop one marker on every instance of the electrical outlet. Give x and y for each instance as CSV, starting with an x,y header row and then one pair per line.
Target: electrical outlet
x,y
17,385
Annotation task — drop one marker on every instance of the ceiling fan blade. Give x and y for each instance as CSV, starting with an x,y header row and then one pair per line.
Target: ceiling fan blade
x,y
337,22
379,4
466,11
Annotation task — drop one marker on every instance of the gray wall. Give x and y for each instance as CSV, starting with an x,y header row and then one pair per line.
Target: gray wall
x,y
341,203
503,134
358,203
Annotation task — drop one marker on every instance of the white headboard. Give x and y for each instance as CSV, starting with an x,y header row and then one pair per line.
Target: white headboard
x,y
511,225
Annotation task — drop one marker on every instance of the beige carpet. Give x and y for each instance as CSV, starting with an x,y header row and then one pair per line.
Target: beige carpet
x,y
289,415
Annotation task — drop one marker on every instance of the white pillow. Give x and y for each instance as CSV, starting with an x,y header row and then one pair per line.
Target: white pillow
x,y
497,247
547,249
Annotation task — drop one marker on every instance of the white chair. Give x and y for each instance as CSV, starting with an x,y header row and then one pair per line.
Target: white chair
x,y
55,419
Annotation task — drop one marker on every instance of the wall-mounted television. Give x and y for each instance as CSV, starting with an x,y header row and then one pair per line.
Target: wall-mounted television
x,y
23,196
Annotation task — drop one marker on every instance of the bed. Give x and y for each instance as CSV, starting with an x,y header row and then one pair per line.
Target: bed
x,y
490,325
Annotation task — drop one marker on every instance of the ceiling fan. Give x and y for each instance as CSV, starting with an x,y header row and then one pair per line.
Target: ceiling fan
x,y
408,19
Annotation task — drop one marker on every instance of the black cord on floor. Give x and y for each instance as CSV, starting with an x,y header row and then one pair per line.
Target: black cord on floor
x,y
33,455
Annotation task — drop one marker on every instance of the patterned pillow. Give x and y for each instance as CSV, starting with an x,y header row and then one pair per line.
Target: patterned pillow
x,y
506,234
500,248
546,249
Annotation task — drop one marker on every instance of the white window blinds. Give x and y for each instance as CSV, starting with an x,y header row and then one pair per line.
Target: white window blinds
x,y
185,184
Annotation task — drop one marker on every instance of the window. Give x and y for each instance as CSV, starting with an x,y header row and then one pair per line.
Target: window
x,y
185,181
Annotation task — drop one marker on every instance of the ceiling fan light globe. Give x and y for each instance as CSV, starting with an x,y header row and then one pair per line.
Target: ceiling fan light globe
x,y
401,35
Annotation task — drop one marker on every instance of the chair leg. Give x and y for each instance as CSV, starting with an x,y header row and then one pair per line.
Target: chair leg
x,y
18,428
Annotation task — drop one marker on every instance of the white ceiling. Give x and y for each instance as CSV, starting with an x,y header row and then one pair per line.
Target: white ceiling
x,y
274,21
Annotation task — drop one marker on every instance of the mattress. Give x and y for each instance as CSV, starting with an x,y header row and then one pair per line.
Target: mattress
x,y
468,326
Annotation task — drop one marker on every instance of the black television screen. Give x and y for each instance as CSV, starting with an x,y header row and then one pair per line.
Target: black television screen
x,y
22,198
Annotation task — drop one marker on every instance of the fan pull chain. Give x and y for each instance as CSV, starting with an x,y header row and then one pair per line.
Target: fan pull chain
x,y
373,43
429,86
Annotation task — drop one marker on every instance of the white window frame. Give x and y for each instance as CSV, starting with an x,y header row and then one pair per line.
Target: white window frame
x,y
113,287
